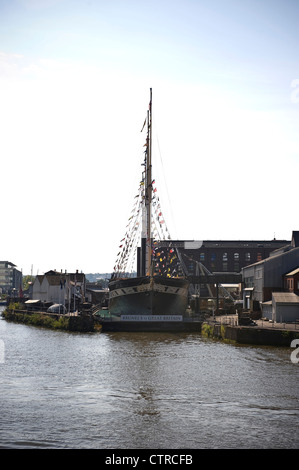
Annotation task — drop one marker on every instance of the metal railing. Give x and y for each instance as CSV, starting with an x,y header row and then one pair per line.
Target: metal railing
x,y
233,321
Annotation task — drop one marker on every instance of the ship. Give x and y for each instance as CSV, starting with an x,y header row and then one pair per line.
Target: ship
x,y
157,293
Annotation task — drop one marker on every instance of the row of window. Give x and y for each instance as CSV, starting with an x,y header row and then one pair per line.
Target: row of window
x,y
5,279
236,267
225,257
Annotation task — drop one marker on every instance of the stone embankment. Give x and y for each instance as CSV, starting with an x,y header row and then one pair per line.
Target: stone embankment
x,y
262,333
79,323
222,328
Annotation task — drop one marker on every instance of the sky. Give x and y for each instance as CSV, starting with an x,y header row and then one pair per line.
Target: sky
x,y
75,77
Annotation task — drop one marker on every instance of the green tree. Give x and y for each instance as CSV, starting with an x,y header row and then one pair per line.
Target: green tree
x,y
27,280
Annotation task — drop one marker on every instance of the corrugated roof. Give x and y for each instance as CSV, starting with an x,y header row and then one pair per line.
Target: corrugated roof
x,y
285,297
55,279
245,243
292,273
270,259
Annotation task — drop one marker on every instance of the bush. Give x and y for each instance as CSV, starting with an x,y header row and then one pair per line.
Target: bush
x,y
207,330
15,306
36,319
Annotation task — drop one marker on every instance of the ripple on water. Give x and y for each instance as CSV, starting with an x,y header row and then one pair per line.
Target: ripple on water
x,y
122,390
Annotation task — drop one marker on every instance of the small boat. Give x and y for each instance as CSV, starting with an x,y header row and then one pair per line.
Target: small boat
x,y
159,292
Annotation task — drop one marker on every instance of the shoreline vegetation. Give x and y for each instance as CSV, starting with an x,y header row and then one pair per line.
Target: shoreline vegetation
x,y
79,323
37,319
214,330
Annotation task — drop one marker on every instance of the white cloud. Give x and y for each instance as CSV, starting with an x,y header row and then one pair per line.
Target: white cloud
x,y
71,139
9,65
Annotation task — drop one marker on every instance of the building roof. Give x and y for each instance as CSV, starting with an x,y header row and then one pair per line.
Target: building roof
x,y
285,297
242,243
269,302
7,262
271,258
292,273
56,278
295,238
197,244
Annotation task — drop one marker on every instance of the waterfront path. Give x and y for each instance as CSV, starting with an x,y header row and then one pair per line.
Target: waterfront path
x,y
233,321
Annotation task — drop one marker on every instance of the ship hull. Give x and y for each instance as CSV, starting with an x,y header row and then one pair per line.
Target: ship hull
x,y
183,326
155,298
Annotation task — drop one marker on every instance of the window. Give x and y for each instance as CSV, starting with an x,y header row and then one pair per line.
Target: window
x,y
290,284
259,273
236,262
191,267
259,257
247,257
224,262
202,257
213,258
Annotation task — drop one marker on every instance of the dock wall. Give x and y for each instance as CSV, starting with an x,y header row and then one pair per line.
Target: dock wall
x,y
152,326
253,335
80,323
249,335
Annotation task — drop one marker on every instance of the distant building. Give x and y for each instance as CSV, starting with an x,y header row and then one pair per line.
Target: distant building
x,y
96,295
223,255
61,288
263,278
10,279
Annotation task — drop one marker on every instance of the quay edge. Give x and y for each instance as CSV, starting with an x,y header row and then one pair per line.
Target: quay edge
x,y
246,335
152,326
78,323
250,335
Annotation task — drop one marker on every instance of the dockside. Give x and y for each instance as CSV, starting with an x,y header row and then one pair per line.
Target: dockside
x,y
185,325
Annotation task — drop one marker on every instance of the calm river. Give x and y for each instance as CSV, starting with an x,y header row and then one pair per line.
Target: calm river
x,y
143,391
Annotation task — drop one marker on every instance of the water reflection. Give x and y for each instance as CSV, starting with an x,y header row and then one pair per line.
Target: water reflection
x,y
143,390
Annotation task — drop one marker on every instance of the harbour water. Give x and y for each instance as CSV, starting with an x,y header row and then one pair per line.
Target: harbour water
x,y
143,391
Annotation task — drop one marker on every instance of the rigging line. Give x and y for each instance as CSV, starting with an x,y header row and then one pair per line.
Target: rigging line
x,y
169,203
130,236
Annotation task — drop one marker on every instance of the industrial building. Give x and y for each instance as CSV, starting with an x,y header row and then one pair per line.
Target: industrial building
x,y
67,289
223,256
277,274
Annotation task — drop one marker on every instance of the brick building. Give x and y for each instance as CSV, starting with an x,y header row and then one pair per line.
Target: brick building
x,y
292,281
224,256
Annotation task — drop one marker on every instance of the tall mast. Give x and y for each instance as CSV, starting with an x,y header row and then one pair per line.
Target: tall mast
x,y
148,180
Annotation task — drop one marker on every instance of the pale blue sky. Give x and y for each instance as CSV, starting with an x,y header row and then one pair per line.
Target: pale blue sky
x,y
74,88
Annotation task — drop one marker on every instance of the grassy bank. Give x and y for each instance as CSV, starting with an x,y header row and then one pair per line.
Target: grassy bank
x,y
249,335
215,331
79,323
37,319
